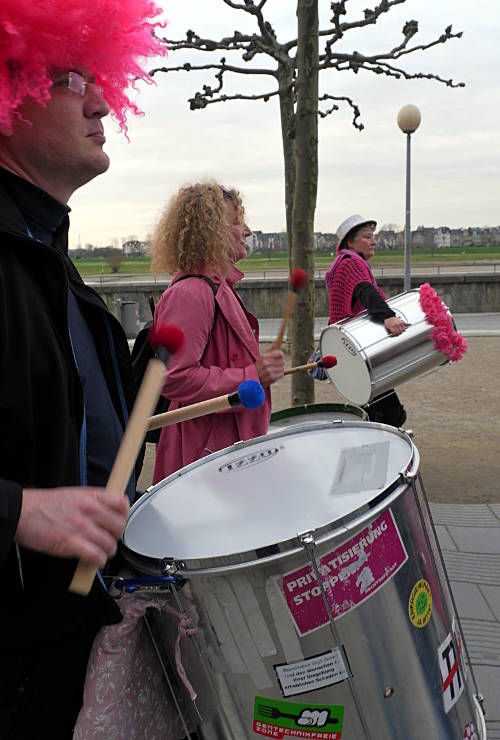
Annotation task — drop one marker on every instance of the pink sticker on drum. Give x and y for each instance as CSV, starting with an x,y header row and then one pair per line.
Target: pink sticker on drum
x,y
351,574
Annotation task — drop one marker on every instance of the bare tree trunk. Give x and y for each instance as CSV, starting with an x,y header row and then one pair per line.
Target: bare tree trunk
x,y
287,113
306,187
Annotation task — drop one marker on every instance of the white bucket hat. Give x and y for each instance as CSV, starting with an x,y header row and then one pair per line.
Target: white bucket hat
x,y
351,223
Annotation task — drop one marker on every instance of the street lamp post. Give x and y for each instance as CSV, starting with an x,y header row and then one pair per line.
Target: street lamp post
x,y
408,121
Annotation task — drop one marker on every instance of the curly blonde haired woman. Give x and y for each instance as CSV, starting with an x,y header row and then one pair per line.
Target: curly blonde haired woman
x,y
200,238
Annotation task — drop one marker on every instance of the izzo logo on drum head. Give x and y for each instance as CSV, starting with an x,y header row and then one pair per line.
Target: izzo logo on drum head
x,y
249,460
348,346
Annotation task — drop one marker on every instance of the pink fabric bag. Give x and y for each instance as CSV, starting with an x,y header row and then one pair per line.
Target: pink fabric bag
x,y
125,695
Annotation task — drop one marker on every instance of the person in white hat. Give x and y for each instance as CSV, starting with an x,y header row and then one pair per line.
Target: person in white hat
x,y
353,289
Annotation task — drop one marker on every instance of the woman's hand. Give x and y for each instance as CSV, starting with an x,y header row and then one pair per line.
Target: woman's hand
x,y
395,325
270,366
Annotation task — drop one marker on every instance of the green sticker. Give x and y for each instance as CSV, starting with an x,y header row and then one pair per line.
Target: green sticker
x,y
420,604
276,718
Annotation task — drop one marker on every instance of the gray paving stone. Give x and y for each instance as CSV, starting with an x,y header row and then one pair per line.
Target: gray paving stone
x,y
493,729
483,642
444,538
488,681
470,601
492,596
462,515
476,539
473,567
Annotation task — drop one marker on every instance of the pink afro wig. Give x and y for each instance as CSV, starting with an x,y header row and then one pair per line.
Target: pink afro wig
x,y
108,37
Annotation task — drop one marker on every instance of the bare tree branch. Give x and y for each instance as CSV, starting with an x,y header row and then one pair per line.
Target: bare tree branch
x,y
371,17
199,101
323,114
188,67
357,62
265,42
249,6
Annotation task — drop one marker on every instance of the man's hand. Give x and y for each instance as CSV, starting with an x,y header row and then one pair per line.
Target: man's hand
x,y
83,523
270,366
395,325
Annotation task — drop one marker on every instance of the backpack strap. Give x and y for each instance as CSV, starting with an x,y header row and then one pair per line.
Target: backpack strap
x,y
151,302
214,291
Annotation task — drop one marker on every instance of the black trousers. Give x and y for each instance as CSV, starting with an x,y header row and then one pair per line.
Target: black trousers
x,y
387,409
41,687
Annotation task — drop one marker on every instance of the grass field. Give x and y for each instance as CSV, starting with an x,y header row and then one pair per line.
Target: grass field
x,y
279,261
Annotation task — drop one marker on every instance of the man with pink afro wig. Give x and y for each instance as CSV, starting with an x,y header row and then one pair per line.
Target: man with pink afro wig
x,y
108,37
66,382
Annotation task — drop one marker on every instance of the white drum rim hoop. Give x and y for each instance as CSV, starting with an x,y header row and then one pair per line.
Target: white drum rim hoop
x,y
318,408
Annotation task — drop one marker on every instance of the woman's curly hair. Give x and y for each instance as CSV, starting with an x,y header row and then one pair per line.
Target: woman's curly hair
x,y
192,234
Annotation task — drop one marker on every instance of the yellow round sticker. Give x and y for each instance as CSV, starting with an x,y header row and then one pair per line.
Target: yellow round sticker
x,y
420,604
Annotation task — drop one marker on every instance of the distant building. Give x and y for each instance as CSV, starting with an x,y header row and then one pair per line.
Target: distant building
x,y
426,237
442,238
386,239
423,237
325,242
135,248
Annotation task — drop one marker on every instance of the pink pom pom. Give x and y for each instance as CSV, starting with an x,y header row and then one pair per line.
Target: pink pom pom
x,y
446,339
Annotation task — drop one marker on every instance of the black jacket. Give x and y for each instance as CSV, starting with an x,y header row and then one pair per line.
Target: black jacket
x,y
41,408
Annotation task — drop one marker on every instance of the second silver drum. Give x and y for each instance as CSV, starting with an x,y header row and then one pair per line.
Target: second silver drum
x,y
370,360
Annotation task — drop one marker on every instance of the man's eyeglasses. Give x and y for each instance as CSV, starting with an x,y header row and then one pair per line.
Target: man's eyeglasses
x,y
77,84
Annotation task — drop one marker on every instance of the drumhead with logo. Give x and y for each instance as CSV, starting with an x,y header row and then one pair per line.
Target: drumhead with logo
x,y
265,491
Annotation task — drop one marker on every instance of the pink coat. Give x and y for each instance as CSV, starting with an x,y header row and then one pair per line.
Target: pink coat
x,y
210,364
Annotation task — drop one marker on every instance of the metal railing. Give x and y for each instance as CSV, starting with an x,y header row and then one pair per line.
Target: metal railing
x,y
459,268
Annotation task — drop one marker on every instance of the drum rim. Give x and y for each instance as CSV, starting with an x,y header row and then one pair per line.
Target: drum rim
x,y
318,408
333,531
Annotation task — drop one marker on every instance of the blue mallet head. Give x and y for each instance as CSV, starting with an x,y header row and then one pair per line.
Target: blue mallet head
x,y
250,394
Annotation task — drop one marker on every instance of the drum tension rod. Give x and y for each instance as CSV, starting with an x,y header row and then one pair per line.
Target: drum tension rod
x,y
169,566
145,583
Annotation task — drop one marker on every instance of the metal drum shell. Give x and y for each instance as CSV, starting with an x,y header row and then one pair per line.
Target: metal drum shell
x,y
245,629
371,361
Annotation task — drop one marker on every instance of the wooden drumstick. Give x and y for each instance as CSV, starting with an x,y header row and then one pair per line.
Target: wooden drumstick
x,y
250,394
298,280
327,361
166,339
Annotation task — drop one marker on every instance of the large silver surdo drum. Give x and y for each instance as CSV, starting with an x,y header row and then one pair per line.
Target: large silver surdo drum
x,y
324,609
370,360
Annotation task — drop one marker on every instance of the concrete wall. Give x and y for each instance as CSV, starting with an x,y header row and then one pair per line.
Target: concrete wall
x,y
266,298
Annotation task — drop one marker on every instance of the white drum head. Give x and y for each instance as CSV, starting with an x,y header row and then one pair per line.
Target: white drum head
x,y
265,491
350,376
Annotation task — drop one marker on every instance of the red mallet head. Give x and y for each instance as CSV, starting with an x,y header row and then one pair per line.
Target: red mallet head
x,y
327,361
298,279
166,339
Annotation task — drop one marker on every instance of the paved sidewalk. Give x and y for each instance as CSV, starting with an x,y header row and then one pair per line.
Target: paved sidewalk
x,y
469,536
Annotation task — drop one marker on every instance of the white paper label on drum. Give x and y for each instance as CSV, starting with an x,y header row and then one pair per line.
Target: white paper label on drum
x,y
362,467
312,673
451,673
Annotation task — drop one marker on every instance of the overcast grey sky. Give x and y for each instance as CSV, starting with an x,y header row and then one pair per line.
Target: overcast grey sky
x,y
455,152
